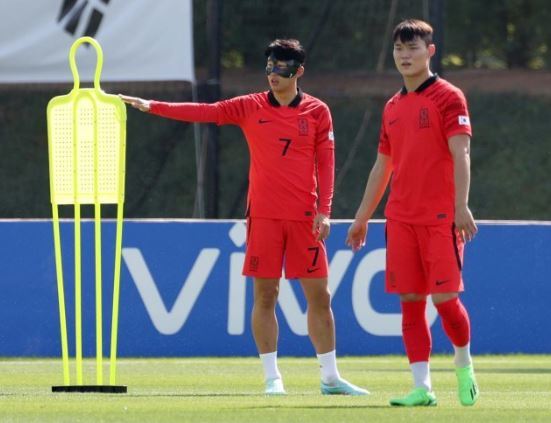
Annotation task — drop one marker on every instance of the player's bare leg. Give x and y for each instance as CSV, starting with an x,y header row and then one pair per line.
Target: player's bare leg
x,y
264,322
321,325
265,332
321,328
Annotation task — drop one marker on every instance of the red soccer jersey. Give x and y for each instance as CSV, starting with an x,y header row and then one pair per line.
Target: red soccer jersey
x,y
291,149
414,133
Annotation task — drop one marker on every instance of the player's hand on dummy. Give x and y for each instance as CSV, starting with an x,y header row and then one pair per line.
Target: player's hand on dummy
x,y
465,224
357,233
321,227
136,102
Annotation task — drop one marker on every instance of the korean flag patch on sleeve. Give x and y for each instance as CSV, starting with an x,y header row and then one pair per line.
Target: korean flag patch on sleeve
x,y
331,136
464,120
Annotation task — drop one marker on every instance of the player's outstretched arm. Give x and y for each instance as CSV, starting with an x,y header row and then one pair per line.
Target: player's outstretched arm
x,y
136,102
233,111
460,150
374,190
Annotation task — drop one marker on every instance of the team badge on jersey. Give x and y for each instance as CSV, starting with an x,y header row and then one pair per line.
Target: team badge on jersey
x,y
464,120
303,126
253,263
424,118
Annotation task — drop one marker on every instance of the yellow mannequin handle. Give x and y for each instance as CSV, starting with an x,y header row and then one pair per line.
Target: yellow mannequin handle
x,y
99,63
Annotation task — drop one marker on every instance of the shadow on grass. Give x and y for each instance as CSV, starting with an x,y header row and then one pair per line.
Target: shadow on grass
x,y
190,395
128,395
515,371
223,395
316,407
512,370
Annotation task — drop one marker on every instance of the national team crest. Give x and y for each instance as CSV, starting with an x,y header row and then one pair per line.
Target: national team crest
x,y
424,118
253,263
303,126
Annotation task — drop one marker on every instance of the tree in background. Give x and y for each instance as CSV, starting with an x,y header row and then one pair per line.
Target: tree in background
x,y
497,34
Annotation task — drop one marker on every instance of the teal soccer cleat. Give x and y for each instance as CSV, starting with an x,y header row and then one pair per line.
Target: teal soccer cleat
x,y
342,387
274,387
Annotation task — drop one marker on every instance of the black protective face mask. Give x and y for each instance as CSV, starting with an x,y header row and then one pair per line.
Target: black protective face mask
x,y
288,70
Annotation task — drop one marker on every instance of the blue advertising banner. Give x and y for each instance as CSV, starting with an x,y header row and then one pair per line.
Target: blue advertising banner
x,y
182,292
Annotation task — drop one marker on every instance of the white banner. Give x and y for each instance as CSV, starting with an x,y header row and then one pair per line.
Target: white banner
x,y
141,39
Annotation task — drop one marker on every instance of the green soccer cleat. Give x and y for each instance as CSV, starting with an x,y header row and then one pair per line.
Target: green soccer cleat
x,y
342,387
274,387
467,388
419,397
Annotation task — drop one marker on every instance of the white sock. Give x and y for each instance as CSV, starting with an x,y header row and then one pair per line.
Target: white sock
x,y
462,356
421,375
269,363
328,367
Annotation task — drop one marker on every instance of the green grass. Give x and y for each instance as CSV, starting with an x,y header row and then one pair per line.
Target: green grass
x,y
514,388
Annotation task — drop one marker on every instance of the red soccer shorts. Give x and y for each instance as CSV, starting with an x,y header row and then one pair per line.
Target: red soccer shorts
x,y
272,244
423,259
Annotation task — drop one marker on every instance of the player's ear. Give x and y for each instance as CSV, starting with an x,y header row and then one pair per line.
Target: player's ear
x,y
300,71
432,49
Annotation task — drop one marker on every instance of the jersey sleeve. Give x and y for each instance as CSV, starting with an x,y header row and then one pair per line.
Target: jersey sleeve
x,y
325,161
456,115
234,111
384,144
227,112
187,112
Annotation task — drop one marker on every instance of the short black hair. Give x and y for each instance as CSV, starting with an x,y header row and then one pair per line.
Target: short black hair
x,y
286,49
409,29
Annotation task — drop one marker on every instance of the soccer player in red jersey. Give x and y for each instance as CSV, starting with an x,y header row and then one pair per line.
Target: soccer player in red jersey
x,y
424,152
290,138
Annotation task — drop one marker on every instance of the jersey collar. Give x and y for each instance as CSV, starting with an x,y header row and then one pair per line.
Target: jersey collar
x,y
296,101
431,80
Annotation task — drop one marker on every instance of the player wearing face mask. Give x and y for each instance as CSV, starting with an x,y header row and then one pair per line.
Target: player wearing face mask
x,y
291,143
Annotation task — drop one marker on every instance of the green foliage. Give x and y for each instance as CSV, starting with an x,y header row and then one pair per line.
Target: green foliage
x,y
511,158
511,155
351,36
160,175
498,33
24,180
483,34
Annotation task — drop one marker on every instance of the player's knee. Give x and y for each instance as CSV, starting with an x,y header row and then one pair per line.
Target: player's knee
x,y
266,298
407,298
321,300
442,298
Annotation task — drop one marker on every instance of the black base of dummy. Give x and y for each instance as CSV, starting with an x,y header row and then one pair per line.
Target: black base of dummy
x,y
105,389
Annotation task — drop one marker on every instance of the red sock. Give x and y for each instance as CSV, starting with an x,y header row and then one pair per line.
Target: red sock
x,y
455,321
416,331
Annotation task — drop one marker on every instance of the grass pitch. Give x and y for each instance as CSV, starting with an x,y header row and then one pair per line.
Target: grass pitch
x,y
513,389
